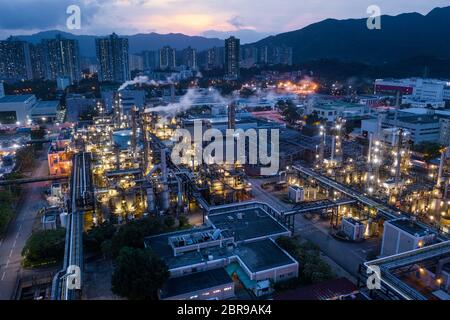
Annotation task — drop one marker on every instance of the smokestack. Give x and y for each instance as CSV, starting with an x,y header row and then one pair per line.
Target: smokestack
x,y
232,115
117,152
172,93
133,129
441,168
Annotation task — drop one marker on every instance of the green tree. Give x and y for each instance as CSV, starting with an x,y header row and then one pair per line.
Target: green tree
x,y
25,158
44,247
169,222
95,237
430,150
312,269
138,274
133,233
6,211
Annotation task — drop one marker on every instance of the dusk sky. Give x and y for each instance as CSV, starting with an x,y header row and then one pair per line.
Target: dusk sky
x,y
249,19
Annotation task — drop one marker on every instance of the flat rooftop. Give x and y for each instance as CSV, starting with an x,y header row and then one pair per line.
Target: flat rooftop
x,y
195,282
16,98
262,255
161,247
246,224
410,226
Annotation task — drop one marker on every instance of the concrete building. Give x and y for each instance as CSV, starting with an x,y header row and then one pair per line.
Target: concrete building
x,y
136,62
402,235
189,57
15,60
214,58
421,274
444,131
417,91
61,58
213,284
16,109
167,58
77,104
331,110
112,56
130,98
45,112
238,238
232,57
150,60
58,158
422,127
62,83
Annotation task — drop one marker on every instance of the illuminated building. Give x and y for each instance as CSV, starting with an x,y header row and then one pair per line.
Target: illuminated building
x,y
61,57
112,56
232,56
15,60
59,158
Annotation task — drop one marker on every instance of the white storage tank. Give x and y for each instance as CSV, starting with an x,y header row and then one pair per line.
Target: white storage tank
x,y
64,216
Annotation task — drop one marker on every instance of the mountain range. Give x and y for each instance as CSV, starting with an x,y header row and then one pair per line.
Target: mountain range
x,y
401,37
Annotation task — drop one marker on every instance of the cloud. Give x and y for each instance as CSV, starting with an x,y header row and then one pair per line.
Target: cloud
x,y
192,16
236,22
42,14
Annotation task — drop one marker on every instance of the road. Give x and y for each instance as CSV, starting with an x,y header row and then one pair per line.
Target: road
x,y
32,199
347,255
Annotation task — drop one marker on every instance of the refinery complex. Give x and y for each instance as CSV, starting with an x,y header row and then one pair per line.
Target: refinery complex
x,y
220,170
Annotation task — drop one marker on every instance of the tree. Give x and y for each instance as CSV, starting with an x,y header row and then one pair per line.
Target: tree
x,y
312,269
430,150
6,211
133,233
25,158
95,237
138,274
44,247
169,222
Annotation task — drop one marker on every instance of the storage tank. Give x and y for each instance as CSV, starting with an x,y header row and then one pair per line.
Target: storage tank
x,y
64,216
122,138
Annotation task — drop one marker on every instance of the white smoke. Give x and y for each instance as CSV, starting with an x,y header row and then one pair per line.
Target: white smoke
x,y
188,100
138,80
145,80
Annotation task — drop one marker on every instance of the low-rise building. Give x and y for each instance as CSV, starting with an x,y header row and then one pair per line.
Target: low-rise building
x,y
16,109
239,238
403,235
45,111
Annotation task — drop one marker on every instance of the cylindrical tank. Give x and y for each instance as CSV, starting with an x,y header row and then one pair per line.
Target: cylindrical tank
x,y
122,138
150,200
64,216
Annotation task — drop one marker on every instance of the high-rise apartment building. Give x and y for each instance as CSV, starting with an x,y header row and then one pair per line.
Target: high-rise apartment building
x,y
15,60
61,58
167,58
113,58
190,58
232,56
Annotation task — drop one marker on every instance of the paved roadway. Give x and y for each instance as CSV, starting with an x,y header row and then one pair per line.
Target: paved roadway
x,y
19,230
347,255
